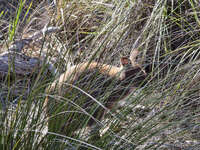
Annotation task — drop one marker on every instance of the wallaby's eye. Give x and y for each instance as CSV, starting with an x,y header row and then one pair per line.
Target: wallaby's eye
x,y
124,60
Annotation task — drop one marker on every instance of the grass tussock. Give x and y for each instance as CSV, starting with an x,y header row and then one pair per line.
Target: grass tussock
x,y
162,113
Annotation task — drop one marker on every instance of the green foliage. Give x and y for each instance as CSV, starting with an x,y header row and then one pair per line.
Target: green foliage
x,y
163,111
15,22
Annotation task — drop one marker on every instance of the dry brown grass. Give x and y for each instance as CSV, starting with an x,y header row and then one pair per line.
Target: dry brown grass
x,y
164,111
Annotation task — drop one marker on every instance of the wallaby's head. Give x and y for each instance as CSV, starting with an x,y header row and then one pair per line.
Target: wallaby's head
x,y
130,68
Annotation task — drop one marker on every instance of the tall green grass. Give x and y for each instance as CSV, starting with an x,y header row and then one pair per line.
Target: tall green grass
x,y
164,113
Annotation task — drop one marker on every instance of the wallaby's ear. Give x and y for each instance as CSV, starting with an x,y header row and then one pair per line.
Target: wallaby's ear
x,y
133,55
124,61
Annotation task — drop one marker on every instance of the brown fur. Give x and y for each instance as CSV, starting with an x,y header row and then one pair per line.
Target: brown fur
x,y
83,75
76,71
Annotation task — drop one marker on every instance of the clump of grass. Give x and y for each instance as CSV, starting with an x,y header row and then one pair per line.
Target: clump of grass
x,y
164,111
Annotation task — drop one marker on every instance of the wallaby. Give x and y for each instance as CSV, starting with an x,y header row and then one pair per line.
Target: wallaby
x,y
106,83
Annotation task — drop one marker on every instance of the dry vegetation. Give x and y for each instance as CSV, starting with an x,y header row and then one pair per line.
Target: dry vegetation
x,y
163,113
